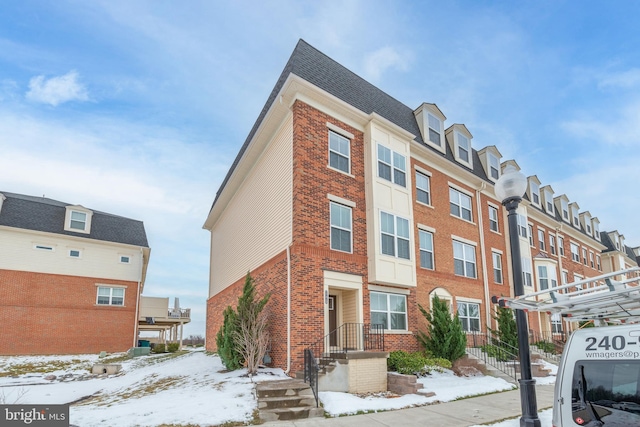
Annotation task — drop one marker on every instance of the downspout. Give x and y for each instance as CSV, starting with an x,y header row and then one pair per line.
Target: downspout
x,y
288,310
137,315
485,278
560,270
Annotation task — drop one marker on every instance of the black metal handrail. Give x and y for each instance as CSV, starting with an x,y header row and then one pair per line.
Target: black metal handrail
x,y
348,337
549,343
494,352
311,373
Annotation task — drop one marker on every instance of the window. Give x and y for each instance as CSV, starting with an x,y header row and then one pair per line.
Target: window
x,y
460,204
493,219
494,166
339,152
561,245
426,249
464,259
435,126
394,233
464,148
584,256
552,244
556,323
535,192
469,315
522,226
44,247
78,220
543,279
389,310
548,196
497,267
565,277
124,259
596,230
591,259
575,253
110,296
340,227
541,240
527,276
598,262
531,243
391,166
423,191
565,210
576,221
588,228
74,253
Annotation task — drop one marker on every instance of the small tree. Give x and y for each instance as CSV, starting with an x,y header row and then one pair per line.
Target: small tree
x,y
230,356
507,331
444,337
252,337
243,337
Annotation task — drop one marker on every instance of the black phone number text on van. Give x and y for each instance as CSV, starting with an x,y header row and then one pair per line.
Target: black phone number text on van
x,y
618,343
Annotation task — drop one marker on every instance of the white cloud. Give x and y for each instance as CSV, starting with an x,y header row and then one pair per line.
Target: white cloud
x,y
377,62
626,79
622,128
57,90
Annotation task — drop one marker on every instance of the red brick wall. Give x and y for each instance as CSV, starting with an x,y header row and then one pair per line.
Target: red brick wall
x,y
55,314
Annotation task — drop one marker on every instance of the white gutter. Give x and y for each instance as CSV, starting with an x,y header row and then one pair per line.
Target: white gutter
x,y
483,255
137,318
288,310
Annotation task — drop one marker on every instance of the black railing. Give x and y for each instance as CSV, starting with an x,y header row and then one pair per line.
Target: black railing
x,y
311,373
494,352
549,343
348,338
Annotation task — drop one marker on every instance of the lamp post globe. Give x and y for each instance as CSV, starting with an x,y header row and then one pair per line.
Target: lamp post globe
x,y
509,189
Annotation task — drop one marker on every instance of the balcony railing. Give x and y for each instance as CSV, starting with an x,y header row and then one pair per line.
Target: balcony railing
x,y
179,313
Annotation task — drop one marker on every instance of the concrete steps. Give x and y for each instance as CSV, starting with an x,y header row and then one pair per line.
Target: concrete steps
x,y
286,400
490,369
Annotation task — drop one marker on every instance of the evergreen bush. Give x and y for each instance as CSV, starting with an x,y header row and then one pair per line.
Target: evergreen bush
x,y
444,337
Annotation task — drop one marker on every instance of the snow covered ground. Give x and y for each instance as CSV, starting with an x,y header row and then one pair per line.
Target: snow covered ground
x,y
193,389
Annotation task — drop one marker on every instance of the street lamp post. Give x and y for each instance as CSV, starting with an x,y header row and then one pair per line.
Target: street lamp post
x,y
510,188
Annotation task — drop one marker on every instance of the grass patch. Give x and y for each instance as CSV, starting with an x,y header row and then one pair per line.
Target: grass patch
x,y
152,385
43,367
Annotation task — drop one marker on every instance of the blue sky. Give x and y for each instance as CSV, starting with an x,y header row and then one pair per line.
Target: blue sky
x,y
138,108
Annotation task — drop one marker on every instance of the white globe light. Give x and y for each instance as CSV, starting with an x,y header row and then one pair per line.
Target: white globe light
x,y
511,184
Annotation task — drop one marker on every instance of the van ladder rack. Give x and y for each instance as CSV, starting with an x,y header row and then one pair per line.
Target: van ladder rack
x,y
603,299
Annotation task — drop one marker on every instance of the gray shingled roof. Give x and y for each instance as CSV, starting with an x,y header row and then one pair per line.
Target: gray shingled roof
x,y
317,68
47,215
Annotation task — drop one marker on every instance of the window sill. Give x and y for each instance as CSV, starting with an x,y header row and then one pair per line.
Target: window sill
x,y
397,332
462,219
424,204
496,232
109,305
340,171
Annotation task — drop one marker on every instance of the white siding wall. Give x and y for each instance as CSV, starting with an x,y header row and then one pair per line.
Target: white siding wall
x,y
383,195
257,223
97,259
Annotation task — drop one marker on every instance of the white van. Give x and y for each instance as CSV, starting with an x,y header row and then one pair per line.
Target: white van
x,y
598,382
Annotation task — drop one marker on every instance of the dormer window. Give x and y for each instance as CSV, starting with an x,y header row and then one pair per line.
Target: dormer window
x,y
565,210
596,230
534,190
547,192
78,219
435,130
464,147
576,222
494,166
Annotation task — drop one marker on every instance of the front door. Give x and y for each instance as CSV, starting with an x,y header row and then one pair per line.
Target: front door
x,y
333,320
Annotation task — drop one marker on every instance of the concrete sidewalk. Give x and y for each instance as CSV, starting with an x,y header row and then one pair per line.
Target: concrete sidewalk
x,y
460,413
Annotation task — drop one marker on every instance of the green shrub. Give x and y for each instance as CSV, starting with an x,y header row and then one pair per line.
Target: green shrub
x,y
159,348
172,347
546,346
417,363
444,337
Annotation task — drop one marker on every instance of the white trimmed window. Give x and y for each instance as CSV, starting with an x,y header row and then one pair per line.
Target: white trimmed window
x,y
110,296
565,277
78,221
543,278
598,262
556,323
426,249
464,259
460,204
494,166
340,227
596,231
497,267
541,240
535,192
74,253
392,166
423,188
576,221
591,259
552,244
584,256
565,209
548,196
527,275
394,235
389,310
469,315
522,225
435,130
575,252
530,227
464,148
493,218
561,245
125,259
339,152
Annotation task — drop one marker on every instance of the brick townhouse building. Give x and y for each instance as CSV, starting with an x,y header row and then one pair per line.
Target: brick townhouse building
x,y
351,207
70,277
